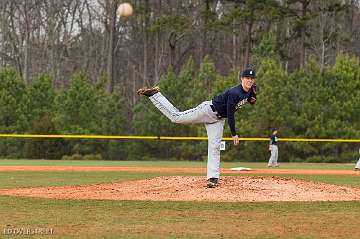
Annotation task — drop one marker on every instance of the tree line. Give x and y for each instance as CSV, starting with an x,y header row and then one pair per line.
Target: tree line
x,y
309,102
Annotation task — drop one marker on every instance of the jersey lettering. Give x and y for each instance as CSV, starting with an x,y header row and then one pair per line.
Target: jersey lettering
x,y
241,103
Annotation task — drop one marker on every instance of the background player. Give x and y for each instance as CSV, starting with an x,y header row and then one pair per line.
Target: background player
x,y
357,166
273,160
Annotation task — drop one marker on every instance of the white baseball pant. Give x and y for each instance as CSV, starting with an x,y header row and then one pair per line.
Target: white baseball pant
x,y
200,114
274,155
358,162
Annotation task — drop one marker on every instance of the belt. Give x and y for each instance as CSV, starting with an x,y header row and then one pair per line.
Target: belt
x,y
214,110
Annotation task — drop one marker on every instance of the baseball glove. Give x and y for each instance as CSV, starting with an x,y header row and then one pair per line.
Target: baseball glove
x,y
252,98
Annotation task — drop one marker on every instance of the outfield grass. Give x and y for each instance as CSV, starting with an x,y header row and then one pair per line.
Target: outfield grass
x,y
143,219
346,180
18,162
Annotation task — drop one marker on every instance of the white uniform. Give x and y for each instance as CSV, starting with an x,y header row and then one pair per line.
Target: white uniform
x,y
357,166
202,113
273,160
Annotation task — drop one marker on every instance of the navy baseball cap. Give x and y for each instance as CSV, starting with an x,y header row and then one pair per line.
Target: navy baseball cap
x,y
248,73
273,130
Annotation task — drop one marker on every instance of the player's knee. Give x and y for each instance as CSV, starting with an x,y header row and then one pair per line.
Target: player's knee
x,y
180,120
215,144
176,120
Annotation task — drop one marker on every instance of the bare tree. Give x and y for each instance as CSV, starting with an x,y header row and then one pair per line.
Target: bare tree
x,y
111,28
61,37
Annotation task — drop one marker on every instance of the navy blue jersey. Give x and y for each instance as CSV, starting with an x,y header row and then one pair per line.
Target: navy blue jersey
x,y
273,139
230,101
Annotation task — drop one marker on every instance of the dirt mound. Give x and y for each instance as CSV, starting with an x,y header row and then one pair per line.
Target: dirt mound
x,y
193,188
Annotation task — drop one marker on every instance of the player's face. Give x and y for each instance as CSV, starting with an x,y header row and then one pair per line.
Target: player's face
x,y
247,82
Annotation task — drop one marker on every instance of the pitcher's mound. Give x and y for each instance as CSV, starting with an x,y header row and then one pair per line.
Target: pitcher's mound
x,y
181,188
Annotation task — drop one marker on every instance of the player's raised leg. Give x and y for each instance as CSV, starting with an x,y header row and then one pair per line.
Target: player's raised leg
x,y
200,114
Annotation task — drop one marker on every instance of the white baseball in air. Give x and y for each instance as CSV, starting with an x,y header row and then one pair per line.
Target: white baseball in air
x,y
124,10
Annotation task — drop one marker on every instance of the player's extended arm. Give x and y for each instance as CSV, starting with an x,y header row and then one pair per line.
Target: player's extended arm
x,y
231,122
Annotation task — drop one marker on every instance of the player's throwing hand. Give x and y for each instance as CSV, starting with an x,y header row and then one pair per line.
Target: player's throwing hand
x,y
236,139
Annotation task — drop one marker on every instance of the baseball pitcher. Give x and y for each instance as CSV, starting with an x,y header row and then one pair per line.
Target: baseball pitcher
x,y
212,113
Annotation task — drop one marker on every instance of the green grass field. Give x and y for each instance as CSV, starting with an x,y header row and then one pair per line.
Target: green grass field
x,y
143,219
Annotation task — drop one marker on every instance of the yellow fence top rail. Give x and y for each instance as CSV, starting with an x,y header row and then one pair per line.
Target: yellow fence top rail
x,y
137,137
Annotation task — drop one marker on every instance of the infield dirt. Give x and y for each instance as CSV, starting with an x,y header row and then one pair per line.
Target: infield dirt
x,y
193,188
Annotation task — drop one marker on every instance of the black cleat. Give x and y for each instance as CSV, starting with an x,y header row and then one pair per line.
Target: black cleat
x,y
212,182
148,91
